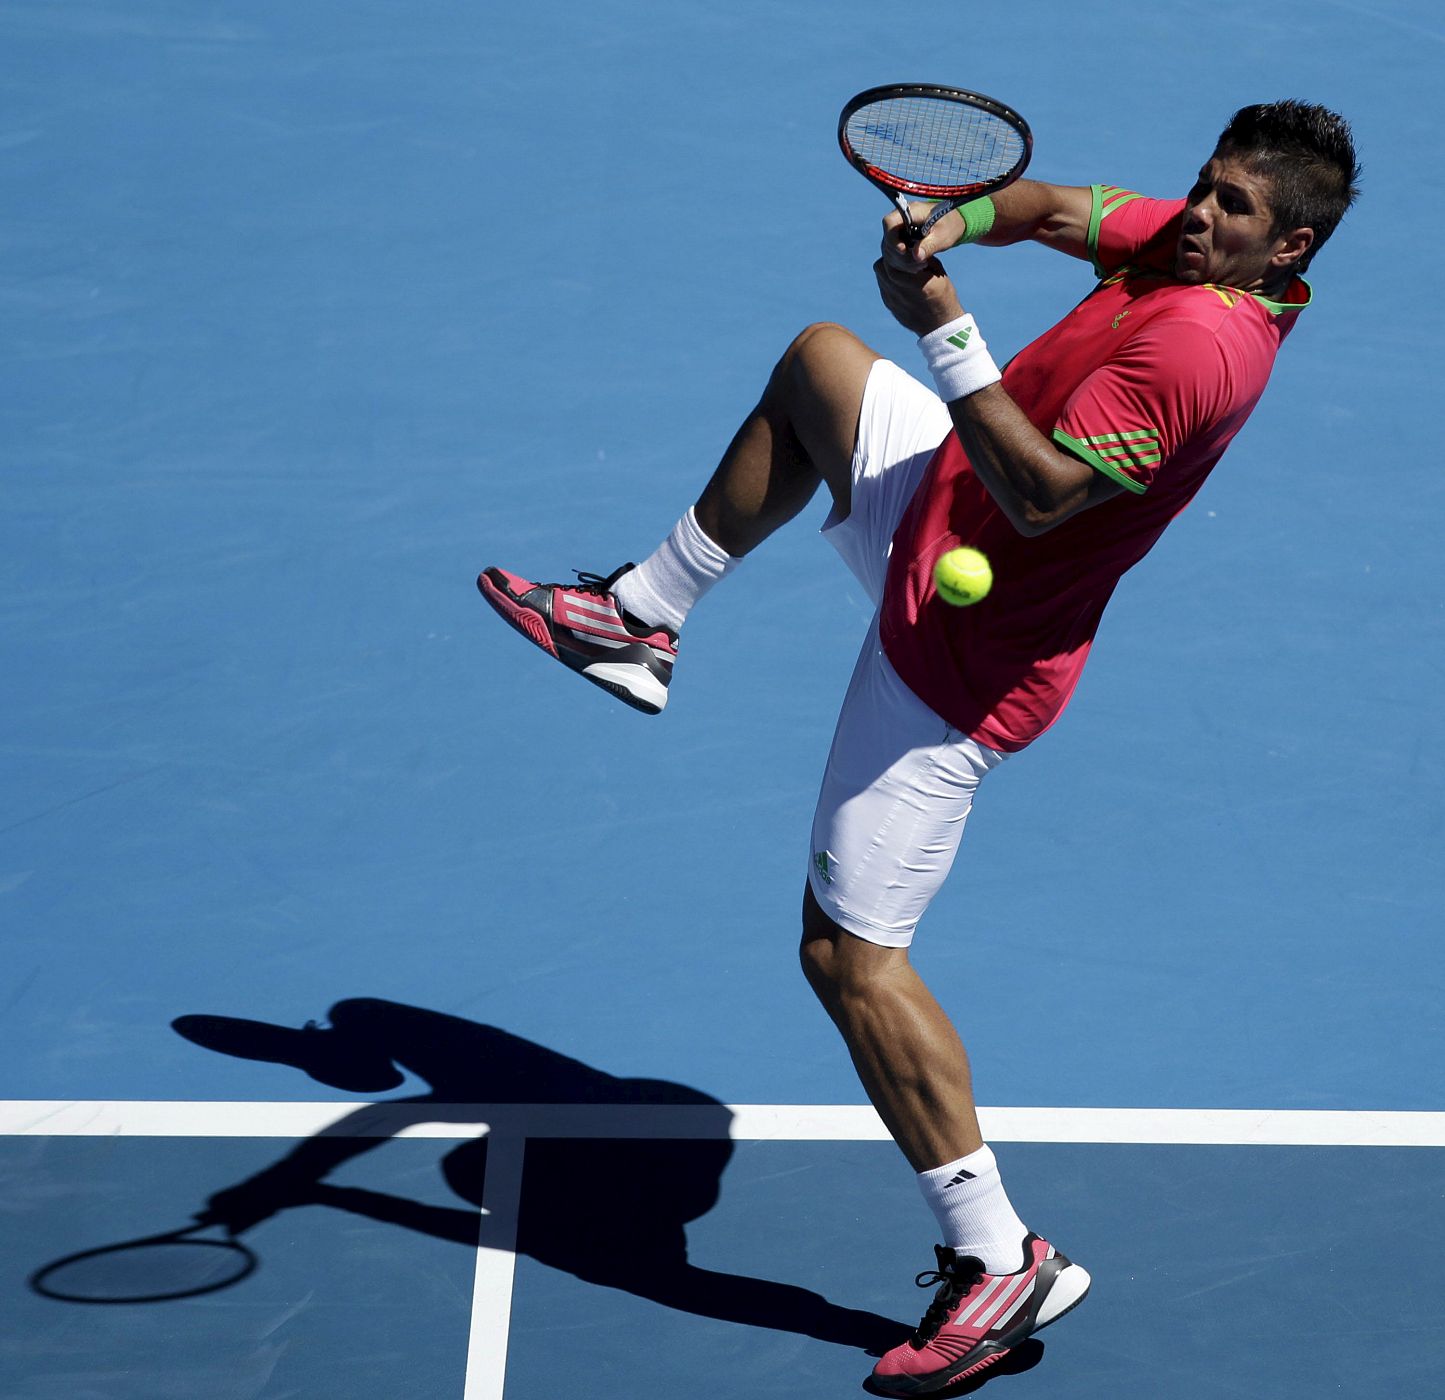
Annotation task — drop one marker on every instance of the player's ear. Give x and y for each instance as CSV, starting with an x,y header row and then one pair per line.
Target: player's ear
x,y
1291,246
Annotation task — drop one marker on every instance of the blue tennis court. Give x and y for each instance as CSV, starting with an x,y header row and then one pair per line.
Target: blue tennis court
x,y
313,310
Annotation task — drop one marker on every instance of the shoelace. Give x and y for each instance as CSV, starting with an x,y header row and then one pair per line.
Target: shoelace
x,y
957,1278
597,583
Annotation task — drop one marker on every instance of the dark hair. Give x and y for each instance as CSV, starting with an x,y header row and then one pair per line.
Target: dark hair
x,y
1307,154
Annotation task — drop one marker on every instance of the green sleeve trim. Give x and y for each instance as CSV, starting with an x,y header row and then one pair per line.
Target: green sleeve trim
x,y
1106,199
1096,217
1092,458
978,216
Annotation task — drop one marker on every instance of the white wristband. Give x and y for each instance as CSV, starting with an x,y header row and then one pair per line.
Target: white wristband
x,y
957,357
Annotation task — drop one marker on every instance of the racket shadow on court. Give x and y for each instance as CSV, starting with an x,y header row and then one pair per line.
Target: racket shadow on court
x,y
608,1211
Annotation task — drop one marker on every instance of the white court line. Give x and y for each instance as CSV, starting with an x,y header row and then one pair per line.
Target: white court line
x,y
496,1268
509,1125
1248,1127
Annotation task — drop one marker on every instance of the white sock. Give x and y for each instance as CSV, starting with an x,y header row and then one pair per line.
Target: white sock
x,y
664,587
974,1213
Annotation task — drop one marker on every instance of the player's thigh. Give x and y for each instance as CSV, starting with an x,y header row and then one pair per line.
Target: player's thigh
x,y
895,797
822,377
900,426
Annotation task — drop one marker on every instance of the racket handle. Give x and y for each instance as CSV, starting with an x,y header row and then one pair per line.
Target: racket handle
x,y
944,206
912,234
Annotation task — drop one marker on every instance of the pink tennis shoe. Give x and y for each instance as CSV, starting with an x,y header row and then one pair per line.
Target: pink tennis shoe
x,y
976,1317
584,627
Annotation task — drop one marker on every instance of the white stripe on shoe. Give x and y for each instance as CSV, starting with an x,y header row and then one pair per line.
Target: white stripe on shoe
x,y
1011,1304
595,606
987,1294
590,625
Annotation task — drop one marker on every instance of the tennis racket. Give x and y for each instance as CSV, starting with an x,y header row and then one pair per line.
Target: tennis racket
x,y
930,142
152,1269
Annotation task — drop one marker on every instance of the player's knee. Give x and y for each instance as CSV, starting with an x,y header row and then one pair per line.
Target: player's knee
x,y
818,972
813,348
816,950
836,963
817,337
838,966
804,350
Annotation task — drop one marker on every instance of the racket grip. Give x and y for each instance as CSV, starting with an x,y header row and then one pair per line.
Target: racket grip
x,y
912,234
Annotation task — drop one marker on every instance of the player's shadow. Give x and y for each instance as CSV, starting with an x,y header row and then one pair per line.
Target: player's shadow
x,y
607,1211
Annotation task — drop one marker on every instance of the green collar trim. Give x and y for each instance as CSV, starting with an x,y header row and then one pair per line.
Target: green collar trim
x,y
1299,291
1300,295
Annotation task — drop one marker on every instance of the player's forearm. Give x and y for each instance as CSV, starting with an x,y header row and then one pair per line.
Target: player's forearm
x,y
1031,481
1054,215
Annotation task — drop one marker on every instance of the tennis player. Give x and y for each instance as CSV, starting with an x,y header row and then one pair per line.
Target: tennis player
x,y
1063,469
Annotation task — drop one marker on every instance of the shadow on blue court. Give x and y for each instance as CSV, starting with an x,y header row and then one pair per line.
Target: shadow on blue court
x,y
771,1268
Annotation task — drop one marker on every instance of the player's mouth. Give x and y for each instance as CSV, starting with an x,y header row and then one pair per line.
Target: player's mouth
x,y
1189,257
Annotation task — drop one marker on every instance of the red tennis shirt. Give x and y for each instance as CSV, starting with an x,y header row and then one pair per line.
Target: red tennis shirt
x,y
1146,380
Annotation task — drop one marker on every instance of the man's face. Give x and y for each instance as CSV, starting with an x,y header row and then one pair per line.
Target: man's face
x,y
1227,237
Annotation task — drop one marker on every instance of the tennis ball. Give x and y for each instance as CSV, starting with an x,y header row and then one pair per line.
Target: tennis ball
x,y
963,576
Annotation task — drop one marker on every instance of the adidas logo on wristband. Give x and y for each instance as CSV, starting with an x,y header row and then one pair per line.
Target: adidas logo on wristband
x,y
958,359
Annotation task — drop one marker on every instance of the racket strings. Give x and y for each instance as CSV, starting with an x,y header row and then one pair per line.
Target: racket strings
x,y
146,1271
920,140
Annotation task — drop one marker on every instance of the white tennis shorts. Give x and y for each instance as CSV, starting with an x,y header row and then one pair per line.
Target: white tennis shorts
x,y
900,781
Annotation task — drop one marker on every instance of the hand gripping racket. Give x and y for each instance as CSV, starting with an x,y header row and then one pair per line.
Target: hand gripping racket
x,y
933,142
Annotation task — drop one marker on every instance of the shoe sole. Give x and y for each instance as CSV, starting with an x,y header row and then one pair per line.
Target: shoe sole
x,y
1070,1288
633,685
630,684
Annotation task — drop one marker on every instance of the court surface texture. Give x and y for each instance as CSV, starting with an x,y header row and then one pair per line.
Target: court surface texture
x,y
311,311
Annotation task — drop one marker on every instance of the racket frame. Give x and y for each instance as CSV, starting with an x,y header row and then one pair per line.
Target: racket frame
x,y
948,197
43,1279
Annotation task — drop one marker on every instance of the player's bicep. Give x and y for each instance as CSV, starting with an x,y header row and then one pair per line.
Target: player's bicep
x,y
1080,486
1093,485
1126,459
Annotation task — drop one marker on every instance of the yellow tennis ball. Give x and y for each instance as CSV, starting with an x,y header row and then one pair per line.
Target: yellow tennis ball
x,y
963,576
